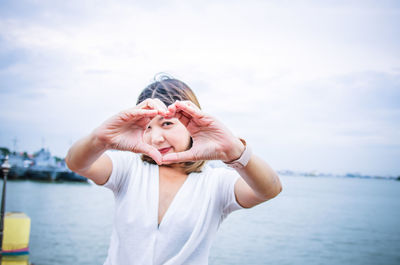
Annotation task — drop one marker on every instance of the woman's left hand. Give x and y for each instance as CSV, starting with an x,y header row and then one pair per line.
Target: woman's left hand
x,y
211,139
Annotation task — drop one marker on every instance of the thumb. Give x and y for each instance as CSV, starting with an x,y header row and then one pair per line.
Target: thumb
x,y
152,152
179,157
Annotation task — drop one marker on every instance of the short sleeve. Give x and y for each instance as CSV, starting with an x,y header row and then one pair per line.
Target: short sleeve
x,y
226,188
123,165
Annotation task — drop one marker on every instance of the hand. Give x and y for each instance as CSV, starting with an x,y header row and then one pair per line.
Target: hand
x,y
211,139
124,131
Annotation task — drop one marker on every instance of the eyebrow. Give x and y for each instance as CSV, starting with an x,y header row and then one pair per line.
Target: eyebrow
x,y
160,119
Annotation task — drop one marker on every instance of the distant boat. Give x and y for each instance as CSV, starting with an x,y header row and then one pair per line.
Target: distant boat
x,y
47,173
42,166
70,176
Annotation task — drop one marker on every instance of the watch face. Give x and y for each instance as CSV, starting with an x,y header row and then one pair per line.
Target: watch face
x,y
243,159
235,165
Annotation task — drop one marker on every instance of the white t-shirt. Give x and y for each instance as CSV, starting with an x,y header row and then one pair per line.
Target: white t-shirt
x,y
187,229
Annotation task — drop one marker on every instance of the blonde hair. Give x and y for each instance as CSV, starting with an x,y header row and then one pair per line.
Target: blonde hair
x,y
168,90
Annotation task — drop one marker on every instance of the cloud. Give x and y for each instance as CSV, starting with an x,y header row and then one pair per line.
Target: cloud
x,y
311,75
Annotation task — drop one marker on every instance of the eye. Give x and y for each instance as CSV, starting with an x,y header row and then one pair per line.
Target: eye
x,y
166,123
148,127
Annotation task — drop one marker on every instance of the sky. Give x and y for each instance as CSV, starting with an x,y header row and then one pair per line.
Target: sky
x,y
311,85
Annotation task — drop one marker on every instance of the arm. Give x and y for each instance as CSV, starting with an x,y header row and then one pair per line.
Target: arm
x,y
258,182
123,131
213,141
86,157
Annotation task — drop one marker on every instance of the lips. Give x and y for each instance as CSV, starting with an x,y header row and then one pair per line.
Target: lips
x,y
164,150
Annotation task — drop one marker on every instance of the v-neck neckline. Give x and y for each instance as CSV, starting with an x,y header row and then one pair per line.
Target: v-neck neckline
x,y
173,202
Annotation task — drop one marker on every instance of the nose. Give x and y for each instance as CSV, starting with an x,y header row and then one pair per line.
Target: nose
x,y
157,137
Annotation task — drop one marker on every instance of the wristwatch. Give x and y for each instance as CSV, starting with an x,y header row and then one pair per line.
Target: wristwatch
x,y
243,159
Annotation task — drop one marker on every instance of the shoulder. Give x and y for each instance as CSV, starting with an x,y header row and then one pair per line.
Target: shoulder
x,y
125,166
220,174
223,181
124,157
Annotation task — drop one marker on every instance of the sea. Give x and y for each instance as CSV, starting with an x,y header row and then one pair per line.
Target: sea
x,y
314,221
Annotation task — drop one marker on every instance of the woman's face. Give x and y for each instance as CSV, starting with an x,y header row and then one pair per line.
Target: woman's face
x,y
167,135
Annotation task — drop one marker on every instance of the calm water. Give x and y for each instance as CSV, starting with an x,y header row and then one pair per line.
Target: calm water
x,y
313,221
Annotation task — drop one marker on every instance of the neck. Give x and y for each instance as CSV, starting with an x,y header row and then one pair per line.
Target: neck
x,y
174,169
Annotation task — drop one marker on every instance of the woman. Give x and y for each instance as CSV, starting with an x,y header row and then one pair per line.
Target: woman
x,y
168,205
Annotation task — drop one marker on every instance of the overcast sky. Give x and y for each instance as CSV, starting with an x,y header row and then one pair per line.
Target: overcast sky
x,y
312,85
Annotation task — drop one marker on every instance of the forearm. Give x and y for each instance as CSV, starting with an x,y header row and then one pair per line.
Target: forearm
x,y
84,153
261,178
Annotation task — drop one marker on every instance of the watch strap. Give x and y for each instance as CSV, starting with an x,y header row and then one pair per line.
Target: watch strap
x,y
244,159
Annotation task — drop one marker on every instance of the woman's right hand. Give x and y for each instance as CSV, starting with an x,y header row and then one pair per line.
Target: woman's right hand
x,y
124,131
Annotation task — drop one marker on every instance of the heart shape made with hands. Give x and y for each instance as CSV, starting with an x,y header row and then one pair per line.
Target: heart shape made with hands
x,y
211,139
192,118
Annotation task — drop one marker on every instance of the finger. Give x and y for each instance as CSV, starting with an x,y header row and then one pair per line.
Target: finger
x,y
189,108
138,113
171,111
152,152
161,106
189,103
179,157
146,104
192,112
152,103
183,118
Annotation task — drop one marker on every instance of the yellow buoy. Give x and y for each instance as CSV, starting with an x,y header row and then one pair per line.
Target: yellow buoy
x,y
17,227
15,260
